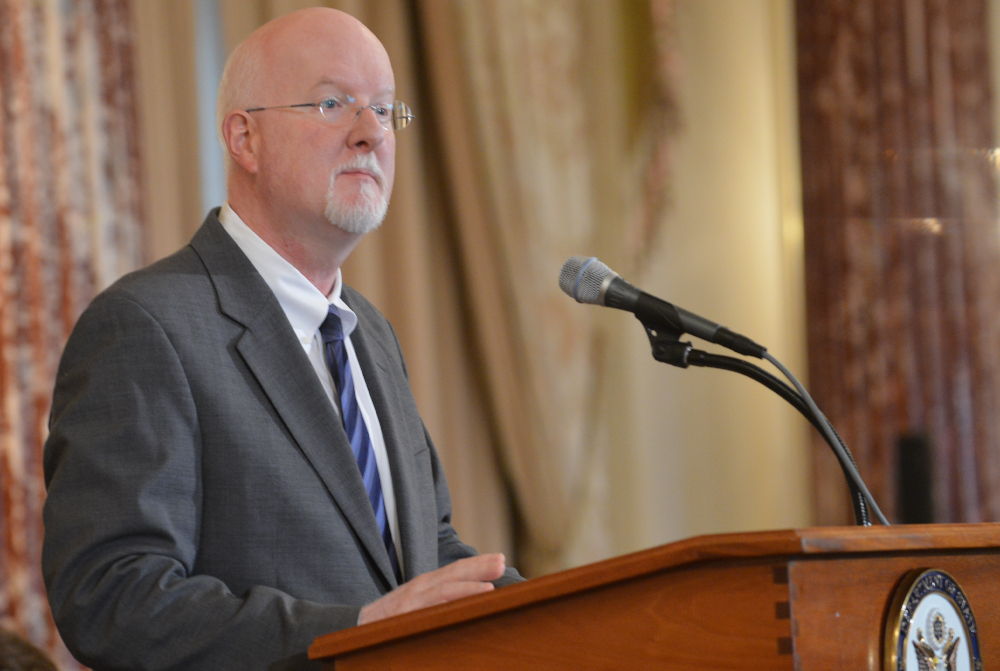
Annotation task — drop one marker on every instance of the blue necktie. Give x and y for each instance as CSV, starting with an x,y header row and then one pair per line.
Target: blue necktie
x,y
354,424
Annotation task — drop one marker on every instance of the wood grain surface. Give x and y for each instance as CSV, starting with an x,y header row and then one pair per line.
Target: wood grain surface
x,y
708,616
728,601
819,540
839,607
557,585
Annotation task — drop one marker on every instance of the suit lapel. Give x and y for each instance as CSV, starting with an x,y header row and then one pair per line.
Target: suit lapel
x,y
271,351
417,525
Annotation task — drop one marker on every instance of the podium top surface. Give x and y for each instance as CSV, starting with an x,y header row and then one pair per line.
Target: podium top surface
x,y
789,543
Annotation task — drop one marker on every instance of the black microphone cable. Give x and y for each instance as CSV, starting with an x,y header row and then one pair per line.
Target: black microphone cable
x,y
587,280
706,360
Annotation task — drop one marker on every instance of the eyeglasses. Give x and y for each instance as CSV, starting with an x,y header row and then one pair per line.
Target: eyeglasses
x,y
396,116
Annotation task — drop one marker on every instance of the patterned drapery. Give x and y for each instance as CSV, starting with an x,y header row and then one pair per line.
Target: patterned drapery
x,y
902,245
70,223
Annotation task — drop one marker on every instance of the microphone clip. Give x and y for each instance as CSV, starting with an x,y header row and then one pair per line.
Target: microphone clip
x,y
667,347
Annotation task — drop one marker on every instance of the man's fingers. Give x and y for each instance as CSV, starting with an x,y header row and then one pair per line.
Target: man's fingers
x,y
450,591
457,580
460,579
493,566
480,567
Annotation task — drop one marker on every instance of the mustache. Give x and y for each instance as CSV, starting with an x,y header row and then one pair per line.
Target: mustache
x,y
365,163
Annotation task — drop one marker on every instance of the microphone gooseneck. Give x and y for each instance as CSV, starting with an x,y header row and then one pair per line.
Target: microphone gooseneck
x,y
587,280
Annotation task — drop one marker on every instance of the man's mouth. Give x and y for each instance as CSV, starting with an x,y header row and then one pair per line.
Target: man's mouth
x,y
364,173
361,170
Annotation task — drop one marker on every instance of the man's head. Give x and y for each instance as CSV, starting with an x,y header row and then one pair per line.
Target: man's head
x,y
292,166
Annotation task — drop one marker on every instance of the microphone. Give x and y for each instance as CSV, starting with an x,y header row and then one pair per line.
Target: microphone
x,y
588,280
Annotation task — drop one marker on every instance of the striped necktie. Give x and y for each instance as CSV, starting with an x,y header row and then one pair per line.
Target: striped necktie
x,y
354,424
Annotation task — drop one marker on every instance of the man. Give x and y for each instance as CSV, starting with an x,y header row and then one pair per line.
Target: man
x,y
236,464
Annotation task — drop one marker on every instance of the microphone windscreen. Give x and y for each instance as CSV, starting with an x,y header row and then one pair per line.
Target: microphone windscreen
x,y
582,277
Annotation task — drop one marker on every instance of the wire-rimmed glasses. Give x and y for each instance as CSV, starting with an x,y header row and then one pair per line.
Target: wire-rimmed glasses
x,y
336,109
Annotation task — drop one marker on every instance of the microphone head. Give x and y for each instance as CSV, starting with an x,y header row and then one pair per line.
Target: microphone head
x,y
583,277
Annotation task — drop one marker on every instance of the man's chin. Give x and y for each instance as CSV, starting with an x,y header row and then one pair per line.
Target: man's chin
x,y
358,218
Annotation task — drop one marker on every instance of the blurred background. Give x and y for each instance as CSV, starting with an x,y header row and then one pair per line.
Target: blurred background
x,y
819,175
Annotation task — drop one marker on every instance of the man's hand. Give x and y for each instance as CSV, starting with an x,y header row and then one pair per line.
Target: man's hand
x,y
456,580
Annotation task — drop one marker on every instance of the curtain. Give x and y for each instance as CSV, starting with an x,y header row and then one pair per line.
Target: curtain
x,y
167,101
70,223
902,249
533,114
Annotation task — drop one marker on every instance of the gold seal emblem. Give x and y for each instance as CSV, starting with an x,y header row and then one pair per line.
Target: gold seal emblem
x,y
930,626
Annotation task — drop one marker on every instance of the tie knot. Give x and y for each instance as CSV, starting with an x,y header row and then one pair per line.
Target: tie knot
x,y
331,329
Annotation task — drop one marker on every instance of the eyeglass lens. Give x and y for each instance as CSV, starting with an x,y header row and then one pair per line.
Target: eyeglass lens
x,y
397,117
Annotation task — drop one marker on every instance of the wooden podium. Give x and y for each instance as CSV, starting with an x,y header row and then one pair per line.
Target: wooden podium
x,y
808,599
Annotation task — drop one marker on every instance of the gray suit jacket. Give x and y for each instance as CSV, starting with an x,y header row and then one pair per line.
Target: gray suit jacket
x,y
204,508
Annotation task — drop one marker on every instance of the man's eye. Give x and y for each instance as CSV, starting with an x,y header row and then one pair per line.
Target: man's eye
x,y
382,110
329,103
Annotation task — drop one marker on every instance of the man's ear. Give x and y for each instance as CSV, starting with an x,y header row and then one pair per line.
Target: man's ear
x,y
239,133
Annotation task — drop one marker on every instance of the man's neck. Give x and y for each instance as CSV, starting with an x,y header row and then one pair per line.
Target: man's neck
x,y
316,249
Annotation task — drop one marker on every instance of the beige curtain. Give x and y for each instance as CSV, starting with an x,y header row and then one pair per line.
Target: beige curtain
x,y
70,223
543,131
512,112
168,115
546,129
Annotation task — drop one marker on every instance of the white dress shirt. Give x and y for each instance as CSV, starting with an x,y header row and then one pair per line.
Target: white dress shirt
x,y
306,308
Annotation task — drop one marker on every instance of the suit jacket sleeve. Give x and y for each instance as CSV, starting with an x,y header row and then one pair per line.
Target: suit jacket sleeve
x,y
122,518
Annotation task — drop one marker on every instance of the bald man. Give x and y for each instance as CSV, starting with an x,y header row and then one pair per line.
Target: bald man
x,y
236,464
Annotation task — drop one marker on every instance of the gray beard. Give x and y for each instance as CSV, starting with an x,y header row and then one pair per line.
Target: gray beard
x,y
360,219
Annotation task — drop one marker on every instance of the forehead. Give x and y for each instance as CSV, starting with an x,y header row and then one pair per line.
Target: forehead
x,y
349,59
352,87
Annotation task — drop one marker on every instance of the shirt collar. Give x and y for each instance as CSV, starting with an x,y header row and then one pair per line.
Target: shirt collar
x,y
303,304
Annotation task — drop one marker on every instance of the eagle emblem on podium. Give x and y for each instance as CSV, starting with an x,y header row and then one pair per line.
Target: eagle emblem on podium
x,y
931,626
940,653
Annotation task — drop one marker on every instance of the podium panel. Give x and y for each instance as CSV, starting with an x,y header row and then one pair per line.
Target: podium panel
x,y
846,633
807,599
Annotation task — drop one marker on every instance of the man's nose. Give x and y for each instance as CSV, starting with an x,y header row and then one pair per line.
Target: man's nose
x,y
366,131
